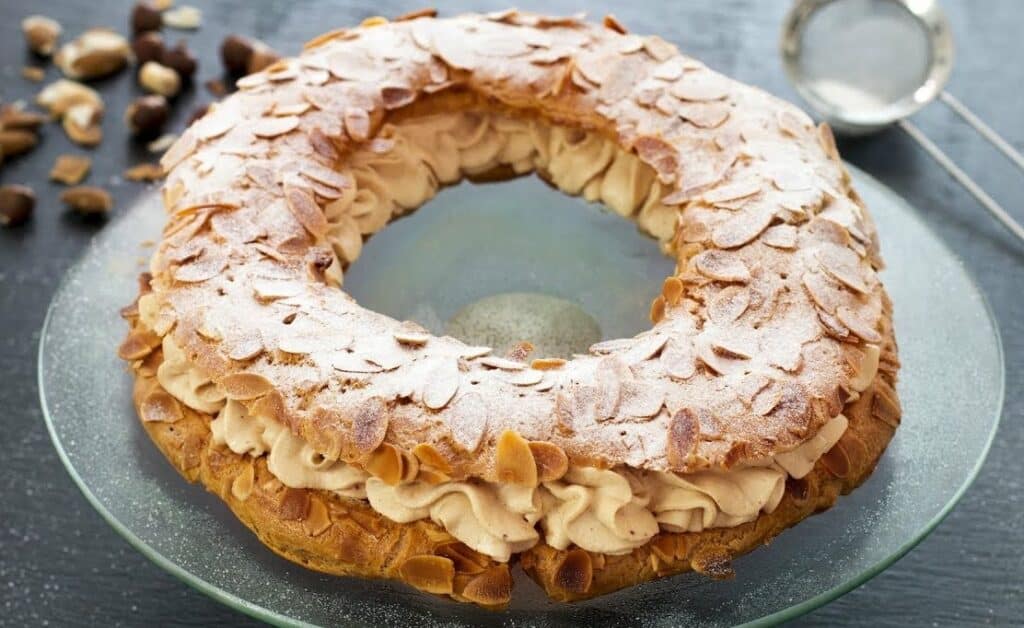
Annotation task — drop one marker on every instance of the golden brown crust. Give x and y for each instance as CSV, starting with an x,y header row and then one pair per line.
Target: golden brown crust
x,y
341,536
776,256
873,419
314,528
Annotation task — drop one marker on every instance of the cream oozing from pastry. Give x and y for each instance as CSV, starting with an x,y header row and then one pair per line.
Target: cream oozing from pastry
x,y
611,511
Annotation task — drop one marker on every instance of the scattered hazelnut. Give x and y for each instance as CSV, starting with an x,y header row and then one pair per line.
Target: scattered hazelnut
x,y
81,122
41,33
17,141
235,52
184,17
181,60
86,199
159,79
59,96
148,47
96,53
242,55
13,117
147,115
16,204
145,17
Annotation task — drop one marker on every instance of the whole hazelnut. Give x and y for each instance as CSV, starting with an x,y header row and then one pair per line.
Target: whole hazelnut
x,y
147,115
181,60
16,204
159,79
41,34
148,47
236,51
145,18
262,57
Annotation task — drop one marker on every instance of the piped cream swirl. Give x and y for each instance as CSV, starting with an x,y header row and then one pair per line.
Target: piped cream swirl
x,y
611,511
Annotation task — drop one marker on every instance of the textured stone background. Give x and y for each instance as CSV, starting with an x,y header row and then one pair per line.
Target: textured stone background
x,y
61,564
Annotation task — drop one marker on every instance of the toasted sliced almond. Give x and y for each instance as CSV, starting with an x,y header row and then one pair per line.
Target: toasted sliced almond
x,y
370,424
242,485
657,309
442,382
729,304
245,386
514,463
575,574
551,461
683,437
492,588
294,505
547,364
722,266
849,317
411,338
502,363
318,520
70,169
386,464
160,407
672,290
433,574
429,455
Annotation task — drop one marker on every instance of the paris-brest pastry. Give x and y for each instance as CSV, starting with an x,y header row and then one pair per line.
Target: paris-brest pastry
x,y
356,444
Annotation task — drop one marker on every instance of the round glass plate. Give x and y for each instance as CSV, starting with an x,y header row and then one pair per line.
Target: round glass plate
x,y
951,385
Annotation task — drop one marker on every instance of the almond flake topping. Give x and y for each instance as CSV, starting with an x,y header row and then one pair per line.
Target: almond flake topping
x,y
442,382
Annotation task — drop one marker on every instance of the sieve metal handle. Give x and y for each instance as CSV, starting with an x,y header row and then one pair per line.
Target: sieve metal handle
x,y
957,173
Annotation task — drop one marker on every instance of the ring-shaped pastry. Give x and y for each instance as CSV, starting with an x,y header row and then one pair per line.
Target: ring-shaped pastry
x,y
357,444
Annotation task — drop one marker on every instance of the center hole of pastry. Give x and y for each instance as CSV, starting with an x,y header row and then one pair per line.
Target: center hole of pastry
x,y
497,263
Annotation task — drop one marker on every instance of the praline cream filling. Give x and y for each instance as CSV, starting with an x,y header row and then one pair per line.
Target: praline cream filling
x,y
609,511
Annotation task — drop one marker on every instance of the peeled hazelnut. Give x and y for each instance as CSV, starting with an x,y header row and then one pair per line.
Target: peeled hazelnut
x,y
81,123
181,60
148,47
16,204
61,95
87,199
184,17
147,115
41,33
145,17
95,53
159,79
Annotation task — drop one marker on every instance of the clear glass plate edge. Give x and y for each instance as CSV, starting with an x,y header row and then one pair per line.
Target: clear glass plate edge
x,y
786,614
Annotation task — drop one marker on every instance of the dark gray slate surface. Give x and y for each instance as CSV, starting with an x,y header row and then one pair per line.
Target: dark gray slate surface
x,y
61,564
